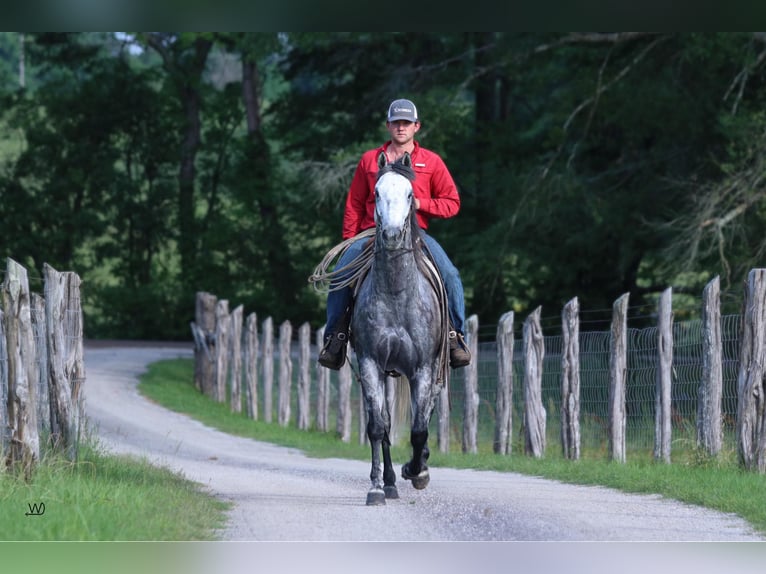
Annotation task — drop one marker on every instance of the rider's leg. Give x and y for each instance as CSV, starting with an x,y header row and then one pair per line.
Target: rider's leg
x,y
333,353
460,356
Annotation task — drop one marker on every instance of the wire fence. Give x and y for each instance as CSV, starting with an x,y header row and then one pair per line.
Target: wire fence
x,y
643,362
595,354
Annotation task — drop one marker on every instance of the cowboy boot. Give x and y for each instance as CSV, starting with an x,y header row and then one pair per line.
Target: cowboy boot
x,y
333,353
459,355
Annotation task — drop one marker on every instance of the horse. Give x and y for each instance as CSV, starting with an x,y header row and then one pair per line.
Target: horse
x,y
398,327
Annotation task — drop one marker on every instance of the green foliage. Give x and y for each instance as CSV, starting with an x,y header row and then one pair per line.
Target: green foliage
x,y
589,165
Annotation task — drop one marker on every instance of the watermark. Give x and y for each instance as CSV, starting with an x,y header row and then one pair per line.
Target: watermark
x,y
35,509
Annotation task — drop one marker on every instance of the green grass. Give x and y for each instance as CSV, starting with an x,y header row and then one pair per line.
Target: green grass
x,y
105,498
718,484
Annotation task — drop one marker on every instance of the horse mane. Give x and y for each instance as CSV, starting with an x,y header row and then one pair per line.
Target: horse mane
x,y
402,166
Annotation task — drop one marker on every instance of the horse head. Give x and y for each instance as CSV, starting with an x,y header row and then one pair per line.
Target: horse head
x,y
394,200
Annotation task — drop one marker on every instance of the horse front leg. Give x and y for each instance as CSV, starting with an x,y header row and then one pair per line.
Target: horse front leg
x,y
416,469
372,390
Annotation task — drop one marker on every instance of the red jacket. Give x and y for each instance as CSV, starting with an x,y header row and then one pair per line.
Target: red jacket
x,y
433,186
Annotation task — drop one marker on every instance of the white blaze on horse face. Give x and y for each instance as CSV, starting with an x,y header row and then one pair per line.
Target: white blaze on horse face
x,y
393,197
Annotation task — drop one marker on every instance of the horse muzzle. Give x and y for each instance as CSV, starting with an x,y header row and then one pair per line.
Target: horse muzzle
x,y
392,236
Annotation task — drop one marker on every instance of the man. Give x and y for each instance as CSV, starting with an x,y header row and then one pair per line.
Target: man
x,y
435,196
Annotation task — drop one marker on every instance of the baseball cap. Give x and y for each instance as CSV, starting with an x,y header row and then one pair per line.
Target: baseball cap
x,y
402,110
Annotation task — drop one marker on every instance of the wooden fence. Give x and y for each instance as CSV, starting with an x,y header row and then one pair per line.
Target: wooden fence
x,y
215,348
41,367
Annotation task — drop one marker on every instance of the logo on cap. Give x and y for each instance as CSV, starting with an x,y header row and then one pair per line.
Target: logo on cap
x,y
402,110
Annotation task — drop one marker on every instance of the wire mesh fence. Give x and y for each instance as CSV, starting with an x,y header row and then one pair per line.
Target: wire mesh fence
x,y
641,385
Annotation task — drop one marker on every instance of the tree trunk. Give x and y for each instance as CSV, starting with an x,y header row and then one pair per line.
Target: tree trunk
x,y
185,64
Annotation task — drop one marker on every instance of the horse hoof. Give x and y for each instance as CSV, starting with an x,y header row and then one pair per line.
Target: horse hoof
x,y
391,492
419,481
376,497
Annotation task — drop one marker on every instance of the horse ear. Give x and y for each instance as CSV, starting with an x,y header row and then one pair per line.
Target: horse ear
x,y
407,159
382,160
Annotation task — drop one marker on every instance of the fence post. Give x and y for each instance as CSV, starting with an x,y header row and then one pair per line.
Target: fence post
x,y
343,425
222,327
443,428
304,379
534,411
323,387
570,380
751,414
251,366
285,372
235,358
203,329
41,360
709,427
22,371
662,420
268,369
504,402
66,371
471,378
618,352
5,425
73,332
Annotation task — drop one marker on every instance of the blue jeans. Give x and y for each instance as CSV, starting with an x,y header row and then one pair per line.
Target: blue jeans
x,y
338,301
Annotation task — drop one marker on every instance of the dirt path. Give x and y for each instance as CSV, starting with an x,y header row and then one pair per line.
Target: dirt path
x,y
281,495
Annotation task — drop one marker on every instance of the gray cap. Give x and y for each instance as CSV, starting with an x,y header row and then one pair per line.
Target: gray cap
x,y
402,110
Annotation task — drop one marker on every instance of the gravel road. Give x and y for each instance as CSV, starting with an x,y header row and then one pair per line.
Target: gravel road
x,y
279,494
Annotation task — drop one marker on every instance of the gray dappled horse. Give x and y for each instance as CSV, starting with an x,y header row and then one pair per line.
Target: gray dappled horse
x,y
398,326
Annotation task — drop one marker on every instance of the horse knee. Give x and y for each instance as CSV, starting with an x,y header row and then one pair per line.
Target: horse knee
x,y
376,431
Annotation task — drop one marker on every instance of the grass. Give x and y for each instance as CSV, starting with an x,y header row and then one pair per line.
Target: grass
x,y
105,498
719,484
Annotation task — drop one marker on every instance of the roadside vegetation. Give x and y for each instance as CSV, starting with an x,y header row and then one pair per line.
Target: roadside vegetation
x,y
718,484
105,498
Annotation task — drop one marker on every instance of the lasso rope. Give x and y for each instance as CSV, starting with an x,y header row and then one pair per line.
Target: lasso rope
x,y
325,281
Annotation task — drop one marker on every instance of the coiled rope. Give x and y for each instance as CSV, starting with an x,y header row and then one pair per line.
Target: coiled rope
x,y
325,281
